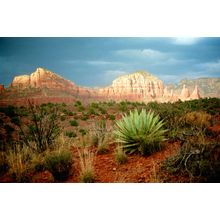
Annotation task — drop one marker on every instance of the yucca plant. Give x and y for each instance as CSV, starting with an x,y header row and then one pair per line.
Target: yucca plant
x,y
140,132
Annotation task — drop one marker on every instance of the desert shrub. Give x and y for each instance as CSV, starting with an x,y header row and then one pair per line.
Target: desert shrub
x,y
62,118
9,129
70,113
65,111
140,132
84,117
22,111
112,117
199,120
37,163
94,105
123,106
102,110
91,111
16,120
197,158
3,163
120,156
111,103
10,111
42,129
87,174
59,164
73,123
81,108
70,134
19,160
100,136
82,131
77,103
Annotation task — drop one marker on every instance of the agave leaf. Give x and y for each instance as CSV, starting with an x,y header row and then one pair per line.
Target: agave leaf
x,y
136,131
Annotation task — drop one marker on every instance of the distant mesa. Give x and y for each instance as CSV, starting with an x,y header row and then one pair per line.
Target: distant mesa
x,y
46,86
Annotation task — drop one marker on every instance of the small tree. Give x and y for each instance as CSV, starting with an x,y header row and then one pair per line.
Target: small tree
x,y
43,128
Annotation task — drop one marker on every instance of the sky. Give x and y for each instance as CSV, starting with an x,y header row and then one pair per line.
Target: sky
x,y
96,62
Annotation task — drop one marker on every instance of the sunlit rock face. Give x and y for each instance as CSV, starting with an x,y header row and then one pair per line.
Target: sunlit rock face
x,y
42,78
185,95
196,93
138,86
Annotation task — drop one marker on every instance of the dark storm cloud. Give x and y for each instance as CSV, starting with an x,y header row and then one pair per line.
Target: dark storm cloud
x,y
97,61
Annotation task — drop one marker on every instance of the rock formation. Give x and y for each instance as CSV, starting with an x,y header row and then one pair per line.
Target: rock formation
x,y
195,94
2,88
139,86
42,78
185,95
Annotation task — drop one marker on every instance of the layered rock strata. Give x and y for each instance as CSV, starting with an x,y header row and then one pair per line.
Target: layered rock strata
x,y
139,86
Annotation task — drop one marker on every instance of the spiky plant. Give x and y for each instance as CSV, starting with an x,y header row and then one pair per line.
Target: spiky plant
x,y
140,132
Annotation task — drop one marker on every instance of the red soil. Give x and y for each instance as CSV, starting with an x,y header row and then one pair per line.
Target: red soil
x,y
137,169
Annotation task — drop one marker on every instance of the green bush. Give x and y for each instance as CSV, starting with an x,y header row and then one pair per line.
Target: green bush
x,y
16,120
81,108
92,111
70,134
77,103
94,105
74,123
59,164
102,110
140,132
112,117
70,113
62,118
84,117
9,129
82,131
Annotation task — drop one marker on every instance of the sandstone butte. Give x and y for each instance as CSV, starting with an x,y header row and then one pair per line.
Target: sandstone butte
x,y
2,88
139,86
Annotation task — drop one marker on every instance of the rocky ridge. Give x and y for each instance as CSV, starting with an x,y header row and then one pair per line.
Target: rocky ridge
x,y
139,86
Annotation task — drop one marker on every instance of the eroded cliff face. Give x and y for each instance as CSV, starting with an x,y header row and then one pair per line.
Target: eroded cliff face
x,y
42,78
185,95
139,86
196,93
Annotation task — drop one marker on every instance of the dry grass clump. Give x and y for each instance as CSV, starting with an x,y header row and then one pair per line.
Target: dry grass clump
x,y
120,155
87,173
198,119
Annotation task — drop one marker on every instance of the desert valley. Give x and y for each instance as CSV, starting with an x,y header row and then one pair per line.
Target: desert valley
x,y
136,130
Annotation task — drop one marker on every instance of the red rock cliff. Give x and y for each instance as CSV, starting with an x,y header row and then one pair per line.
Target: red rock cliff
x,y
42,78
139,86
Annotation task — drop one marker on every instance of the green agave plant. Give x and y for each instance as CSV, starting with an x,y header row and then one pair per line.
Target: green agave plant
x,y
140,132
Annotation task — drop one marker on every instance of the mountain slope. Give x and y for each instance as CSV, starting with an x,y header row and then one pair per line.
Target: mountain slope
x,y
45,86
